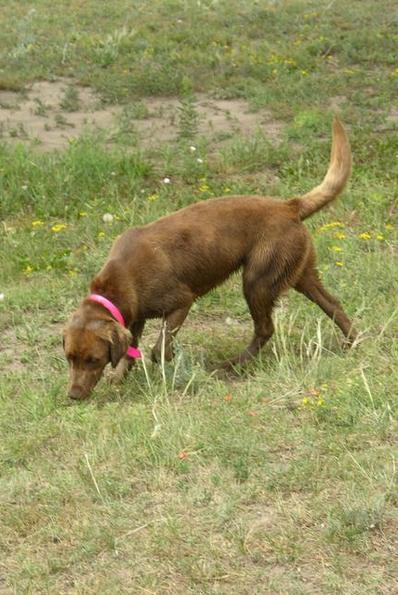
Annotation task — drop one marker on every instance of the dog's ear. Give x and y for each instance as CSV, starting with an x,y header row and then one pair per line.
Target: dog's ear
x,y
119,343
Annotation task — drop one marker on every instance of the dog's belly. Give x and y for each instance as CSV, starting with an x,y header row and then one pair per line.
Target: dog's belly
x,y
173,292
204,280
204,265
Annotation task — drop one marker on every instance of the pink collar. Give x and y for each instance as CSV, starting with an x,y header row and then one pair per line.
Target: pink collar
x,y
114,310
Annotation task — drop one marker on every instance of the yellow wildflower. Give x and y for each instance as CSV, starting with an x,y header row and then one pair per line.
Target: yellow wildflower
x,y
83,214
339,263
101,234
339,235
153,197
380,237
28,269
314,398
58,227
389,226
330,225
365,236
336,249
304,72
204,188
37,223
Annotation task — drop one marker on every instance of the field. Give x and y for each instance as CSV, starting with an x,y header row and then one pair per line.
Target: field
x,y
282,479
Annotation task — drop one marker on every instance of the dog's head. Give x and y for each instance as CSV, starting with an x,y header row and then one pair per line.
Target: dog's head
x,y
92,339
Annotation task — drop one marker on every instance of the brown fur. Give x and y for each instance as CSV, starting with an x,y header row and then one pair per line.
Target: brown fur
x,y
160,269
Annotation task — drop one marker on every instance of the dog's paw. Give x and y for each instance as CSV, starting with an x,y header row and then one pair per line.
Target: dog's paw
x,y
231,367
121,371
228,366
236,362
117,378
156,355
352,341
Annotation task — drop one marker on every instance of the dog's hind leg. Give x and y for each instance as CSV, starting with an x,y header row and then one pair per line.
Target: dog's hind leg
x,y
269,271
311,286
172,323
260,297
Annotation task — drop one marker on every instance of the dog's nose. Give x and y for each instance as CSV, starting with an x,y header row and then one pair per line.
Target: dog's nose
x,y
77,393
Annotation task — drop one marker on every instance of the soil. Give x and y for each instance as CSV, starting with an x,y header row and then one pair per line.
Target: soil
x,y
45,116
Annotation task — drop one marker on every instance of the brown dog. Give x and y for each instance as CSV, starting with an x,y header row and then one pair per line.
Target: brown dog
x,y
160,269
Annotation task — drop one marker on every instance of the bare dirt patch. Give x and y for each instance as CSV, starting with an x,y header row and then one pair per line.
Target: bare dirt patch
x,y
392,117
52,114
42,114
12,352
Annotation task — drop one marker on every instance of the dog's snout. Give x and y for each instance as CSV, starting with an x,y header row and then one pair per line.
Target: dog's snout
x,y
77,392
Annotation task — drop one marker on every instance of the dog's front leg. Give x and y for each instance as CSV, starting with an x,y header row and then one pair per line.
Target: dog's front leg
x,y
122,369
126,363
171,325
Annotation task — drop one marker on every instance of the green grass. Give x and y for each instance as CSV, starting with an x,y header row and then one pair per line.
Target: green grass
x,y
283,480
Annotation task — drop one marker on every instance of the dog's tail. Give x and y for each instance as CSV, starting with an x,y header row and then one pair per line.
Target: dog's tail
x,y
335,179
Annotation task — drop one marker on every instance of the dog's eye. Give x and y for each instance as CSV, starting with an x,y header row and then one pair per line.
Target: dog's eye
x,y
92,361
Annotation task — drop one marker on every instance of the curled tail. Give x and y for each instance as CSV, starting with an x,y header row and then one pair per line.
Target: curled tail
x,y
335,179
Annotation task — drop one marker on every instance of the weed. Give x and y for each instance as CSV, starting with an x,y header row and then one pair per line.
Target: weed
x,y
139,111
70,101
108,50
62,122
41,109
18,132
126,133
188,119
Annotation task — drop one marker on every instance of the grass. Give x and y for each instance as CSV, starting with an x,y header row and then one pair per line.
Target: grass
x,y
282,480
